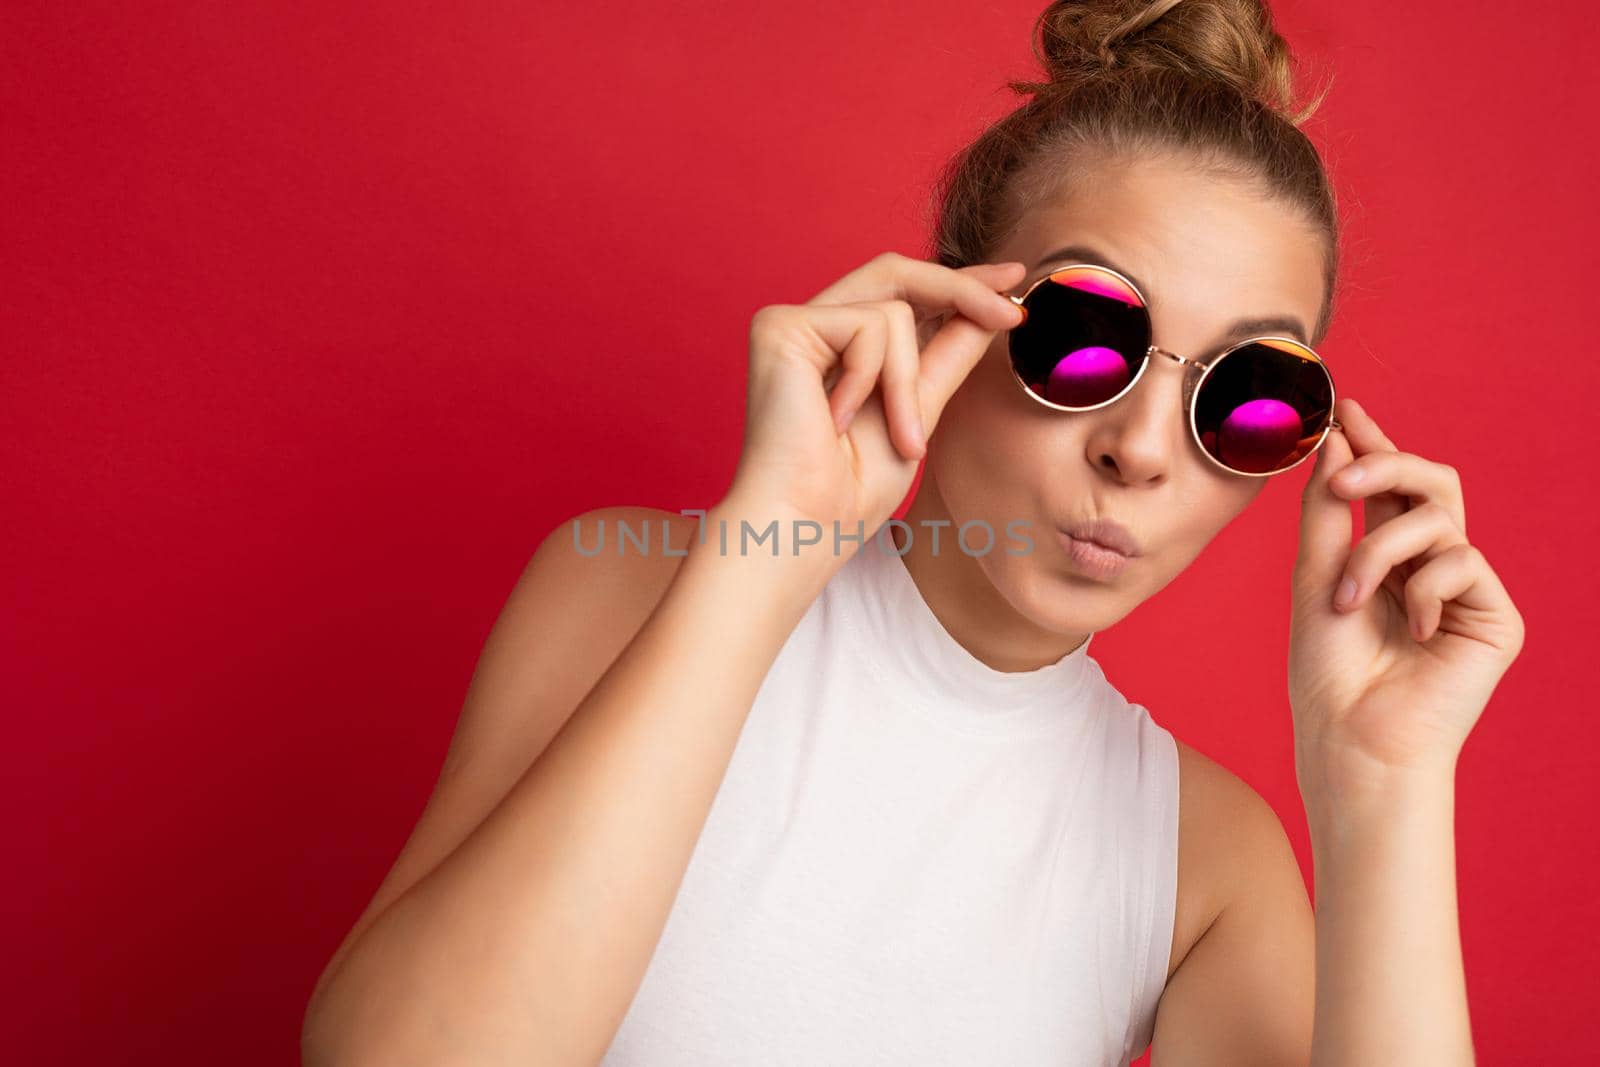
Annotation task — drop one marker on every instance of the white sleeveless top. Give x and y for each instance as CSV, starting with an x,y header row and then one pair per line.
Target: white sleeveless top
x,y
914,858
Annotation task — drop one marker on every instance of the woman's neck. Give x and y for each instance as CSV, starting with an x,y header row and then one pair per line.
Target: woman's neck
x,y
961,596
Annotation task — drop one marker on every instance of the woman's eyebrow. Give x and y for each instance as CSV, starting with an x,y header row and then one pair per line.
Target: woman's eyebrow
x,y
1279,324
1079,253
1242,328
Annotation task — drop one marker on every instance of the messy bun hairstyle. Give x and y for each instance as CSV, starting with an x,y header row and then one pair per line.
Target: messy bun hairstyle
x,y
1209,80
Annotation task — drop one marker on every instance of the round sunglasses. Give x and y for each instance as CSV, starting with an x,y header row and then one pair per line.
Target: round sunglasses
x,y
1261,407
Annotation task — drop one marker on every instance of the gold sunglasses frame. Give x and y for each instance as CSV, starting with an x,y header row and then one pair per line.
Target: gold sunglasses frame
x,y
1191,384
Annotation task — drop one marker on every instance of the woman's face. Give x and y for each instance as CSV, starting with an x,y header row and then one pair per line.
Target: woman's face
x,y
1206,253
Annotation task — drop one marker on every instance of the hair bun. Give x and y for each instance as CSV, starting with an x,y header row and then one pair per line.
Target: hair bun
x,y
1231,41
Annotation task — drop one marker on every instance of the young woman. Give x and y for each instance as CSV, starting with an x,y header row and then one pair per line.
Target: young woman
x,y
839,805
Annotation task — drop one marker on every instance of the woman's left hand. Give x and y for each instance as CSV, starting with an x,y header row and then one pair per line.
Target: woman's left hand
x,y
1394,679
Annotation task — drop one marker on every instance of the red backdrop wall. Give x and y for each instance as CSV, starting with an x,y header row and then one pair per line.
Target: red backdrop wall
x,y
318,316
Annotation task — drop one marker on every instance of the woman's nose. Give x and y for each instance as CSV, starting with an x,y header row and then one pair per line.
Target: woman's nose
x,y
1137,438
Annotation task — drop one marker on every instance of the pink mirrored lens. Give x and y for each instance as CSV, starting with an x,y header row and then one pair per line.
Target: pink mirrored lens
x,y
1087,376
1084,339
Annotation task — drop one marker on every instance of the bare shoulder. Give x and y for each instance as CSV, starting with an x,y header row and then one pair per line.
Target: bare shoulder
x,y
585,592
581,598
618,557
592,583
1226,831
588,588
1241,982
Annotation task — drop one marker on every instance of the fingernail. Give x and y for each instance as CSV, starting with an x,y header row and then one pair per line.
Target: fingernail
x,y
1352,475
1346,593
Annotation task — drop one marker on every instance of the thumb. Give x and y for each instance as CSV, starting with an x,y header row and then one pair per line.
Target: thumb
x,y
1325,523
945,363
958,342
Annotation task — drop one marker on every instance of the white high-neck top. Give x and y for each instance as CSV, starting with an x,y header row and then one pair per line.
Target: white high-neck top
x,y
914,858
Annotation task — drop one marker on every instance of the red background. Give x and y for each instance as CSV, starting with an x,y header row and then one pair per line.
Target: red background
x,y
319,316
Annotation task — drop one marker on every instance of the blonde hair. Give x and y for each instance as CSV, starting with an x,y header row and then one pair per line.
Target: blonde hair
x,y
1208,81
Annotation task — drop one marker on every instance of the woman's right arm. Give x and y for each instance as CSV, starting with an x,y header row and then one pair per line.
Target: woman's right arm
x,y
527,944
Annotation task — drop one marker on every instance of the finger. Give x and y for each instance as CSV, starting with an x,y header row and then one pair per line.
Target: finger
x,y
978,292
1364,428
1403,473
1366,437
974,291
1325,521
946,361
831,340
861,356
901,405
1461,575
1421,533
929,324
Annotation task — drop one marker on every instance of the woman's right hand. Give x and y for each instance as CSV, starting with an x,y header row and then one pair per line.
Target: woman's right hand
x,y
841,400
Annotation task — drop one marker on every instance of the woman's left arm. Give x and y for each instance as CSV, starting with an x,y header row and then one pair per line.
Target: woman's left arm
x,y
1384,686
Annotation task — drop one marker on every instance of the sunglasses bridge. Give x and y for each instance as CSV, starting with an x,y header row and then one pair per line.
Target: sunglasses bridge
x,y
1156,350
